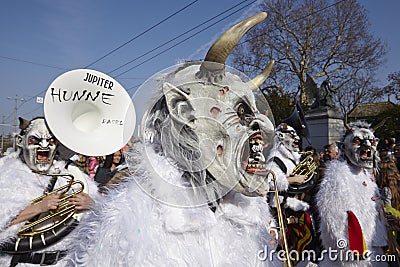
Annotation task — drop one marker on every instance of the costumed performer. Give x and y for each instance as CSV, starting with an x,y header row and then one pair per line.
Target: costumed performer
x,y
350,209
24,178
283,160
196,195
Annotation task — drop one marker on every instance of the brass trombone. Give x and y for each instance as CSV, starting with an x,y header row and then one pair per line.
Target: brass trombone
x,y
281,220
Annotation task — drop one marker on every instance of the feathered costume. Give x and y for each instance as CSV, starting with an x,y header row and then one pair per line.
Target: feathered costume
x,y
131,228
18,187
343,190
136,225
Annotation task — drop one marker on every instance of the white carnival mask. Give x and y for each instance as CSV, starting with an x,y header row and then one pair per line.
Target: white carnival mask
x,y
38,146
288,136
209,118
360,145
214,127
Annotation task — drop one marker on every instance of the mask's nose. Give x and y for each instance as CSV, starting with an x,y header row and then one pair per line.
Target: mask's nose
x,y
366,143
254,125
44,143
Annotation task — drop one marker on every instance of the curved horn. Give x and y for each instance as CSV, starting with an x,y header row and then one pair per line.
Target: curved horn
x,y
346,125
221,49
23,123
256,82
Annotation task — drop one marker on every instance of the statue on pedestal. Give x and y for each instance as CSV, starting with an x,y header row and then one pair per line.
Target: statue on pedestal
x,y
319,97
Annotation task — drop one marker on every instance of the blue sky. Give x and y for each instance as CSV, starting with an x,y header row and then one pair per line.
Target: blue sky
x,y
41,39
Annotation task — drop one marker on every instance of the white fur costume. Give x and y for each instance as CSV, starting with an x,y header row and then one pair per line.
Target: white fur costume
x,y
131,228
6,157
290,159
341,190
18,186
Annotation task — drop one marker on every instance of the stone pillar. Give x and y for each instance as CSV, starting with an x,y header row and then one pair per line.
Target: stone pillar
x,y
325,125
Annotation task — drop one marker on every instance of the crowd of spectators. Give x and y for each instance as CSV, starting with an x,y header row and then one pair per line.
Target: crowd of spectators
x,y
107,171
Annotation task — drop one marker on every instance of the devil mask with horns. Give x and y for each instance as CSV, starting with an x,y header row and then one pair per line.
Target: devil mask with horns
x,y
359,145
37,144
209,122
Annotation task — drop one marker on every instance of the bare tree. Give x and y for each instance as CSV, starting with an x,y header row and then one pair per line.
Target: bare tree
x,y
394,85
321,38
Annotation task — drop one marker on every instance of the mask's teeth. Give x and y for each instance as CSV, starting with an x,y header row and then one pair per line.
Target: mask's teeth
x,y
256,160
42,155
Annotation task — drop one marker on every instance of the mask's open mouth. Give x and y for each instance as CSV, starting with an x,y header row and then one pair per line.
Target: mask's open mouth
x,y
296,144
42,155
365,153
252,158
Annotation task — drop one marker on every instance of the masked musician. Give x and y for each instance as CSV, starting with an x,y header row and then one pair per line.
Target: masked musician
x,y
23,179
285,157
350,208
196,195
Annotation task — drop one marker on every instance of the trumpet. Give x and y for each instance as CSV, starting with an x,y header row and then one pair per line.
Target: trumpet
x,y
281,221
59,216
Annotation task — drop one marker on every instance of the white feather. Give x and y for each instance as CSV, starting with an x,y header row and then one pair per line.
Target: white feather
x,y
132,228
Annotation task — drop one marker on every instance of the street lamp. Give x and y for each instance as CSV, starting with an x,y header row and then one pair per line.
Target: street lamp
x,y
16,99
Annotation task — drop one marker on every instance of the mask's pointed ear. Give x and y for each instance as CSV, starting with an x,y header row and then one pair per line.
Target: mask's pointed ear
x,y
23,124
178,104
19,140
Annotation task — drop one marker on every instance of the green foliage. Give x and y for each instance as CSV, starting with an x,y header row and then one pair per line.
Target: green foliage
x,y
280,103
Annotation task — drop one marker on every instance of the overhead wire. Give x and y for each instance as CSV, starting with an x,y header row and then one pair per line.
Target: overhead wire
x,y
33,63
137,85
184,40
180,35
165,50
143,62
163,43
142,33
107,54
31,111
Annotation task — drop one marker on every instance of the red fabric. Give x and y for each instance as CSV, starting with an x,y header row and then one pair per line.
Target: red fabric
x,y
356,238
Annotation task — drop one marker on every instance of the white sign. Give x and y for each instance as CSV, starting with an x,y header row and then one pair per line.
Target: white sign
x,y
39,100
